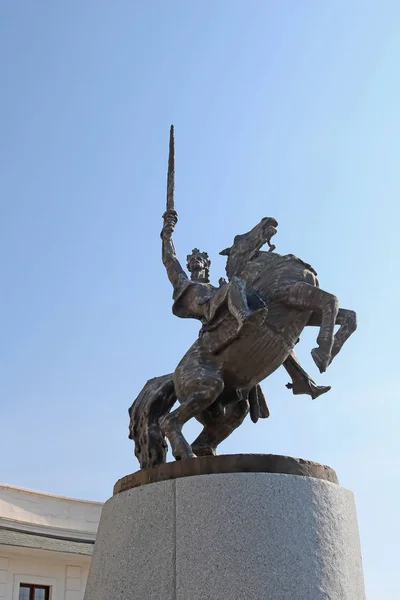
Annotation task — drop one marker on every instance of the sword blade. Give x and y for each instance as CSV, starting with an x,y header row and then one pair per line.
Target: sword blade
x,y
171,172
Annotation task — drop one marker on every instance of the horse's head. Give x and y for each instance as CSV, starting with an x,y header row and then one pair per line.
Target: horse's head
x,y
246,245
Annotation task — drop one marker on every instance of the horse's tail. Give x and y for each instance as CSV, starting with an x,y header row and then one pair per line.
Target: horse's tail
x,y
154,401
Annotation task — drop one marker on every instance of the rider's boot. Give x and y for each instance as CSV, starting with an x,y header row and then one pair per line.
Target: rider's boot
x,y
308,387
301,381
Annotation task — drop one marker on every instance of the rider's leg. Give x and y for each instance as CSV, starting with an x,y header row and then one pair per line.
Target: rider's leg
x,y
301,381
308,297
217,429
196,393
238,305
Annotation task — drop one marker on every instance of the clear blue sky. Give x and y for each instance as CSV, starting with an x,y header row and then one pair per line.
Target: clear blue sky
x,y
285,109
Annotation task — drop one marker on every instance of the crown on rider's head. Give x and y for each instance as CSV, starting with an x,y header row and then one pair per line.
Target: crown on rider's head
x,y
196,252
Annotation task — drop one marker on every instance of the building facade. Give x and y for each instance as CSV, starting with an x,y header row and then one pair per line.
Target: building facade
x,y
46,544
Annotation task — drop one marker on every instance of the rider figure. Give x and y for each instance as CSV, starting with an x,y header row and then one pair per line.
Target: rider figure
x,y
196,297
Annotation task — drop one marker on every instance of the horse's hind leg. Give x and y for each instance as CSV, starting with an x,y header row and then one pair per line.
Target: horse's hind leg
x,y
197,389
305,296
218,428
347,320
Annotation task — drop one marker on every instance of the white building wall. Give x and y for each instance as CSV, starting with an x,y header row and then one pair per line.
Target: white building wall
x,y
65,576
39,511
45,514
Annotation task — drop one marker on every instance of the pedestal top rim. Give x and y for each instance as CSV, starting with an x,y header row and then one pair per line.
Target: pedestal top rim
x,y
227,463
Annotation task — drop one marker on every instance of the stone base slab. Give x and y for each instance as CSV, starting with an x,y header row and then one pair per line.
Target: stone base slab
x,y
229,536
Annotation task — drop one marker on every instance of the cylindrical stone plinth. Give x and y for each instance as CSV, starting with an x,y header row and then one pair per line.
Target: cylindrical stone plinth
x,y
229,536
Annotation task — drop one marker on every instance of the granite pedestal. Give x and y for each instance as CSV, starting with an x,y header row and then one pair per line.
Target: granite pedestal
x,y
237,529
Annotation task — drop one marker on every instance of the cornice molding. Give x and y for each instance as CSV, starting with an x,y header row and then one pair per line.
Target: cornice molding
x,y
47,530
15,488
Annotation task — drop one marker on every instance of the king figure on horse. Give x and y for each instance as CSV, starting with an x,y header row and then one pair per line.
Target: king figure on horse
x,y
250,326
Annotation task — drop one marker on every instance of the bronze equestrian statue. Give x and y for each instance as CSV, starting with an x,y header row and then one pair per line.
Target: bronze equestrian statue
x,y
250,326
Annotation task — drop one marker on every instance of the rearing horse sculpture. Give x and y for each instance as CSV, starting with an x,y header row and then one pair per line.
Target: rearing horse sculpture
x,y
250,328
290,289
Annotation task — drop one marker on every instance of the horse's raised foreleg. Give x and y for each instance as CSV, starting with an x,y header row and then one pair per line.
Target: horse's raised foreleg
x,y
197,387
305,296
347,320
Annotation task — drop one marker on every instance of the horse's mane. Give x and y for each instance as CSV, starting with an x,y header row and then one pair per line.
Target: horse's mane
x,y
233,262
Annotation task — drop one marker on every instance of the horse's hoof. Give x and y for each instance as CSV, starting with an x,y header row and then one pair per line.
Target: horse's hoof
x,y
320,359
181,450
204,450
179,455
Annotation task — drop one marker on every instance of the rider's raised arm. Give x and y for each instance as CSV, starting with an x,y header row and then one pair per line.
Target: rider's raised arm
x,y
171,263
